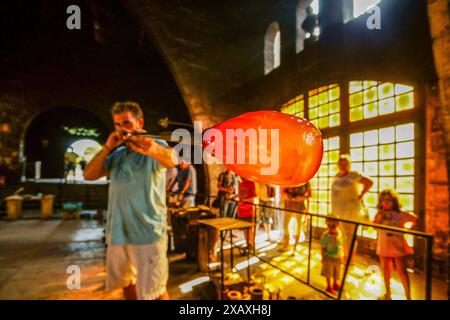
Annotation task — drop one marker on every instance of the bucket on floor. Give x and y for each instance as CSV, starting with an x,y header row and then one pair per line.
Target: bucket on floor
x,y
47,206
14,206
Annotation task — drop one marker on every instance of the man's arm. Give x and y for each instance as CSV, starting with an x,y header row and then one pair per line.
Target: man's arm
x,y
94,169
367,184
149,147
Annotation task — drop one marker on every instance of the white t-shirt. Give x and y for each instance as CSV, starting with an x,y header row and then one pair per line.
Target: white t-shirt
x,y
344,196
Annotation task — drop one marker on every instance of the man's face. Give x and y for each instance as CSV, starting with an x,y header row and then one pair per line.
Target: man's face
x,y
344,165
127,121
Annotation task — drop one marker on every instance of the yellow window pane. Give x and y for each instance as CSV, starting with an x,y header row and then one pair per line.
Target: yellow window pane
x,y
386,106
333,156
371,168
356,140
334,93
405,132
325,157
405,167
385,90
315,122
371,153
323,183
323,170
400,88
405,150
356,154
322,223
404,101
334,143
313,101
313,183
370,110
333,170
387,168
370,233
313,208
334,106
370,95
369,84
335,120
387,183
323,98
325,144
405,184
323,110
323,196
356,99
323,122
322,89
387,151
356,114
371,199
387,135
371,137
355,86
407,202
323,209
357,166
313,113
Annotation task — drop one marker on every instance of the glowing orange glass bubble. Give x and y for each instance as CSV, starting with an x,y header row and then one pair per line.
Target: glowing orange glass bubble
x,y
290,159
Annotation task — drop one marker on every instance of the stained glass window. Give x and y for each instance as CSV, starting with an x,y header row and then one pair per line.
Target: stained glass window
x,y
387,155
324,106
370,99
295,106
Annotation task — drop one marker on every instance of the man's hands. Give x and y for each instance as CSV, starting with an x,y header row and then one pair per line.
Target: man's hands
x,y
114,140
142,144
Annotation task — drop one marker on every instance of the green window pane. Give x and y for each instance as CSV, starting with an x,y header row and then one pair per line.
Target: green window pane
x,y
371,168
325,144
386,106
371,138
323,122
323,98
323,183
313,101
333,170
405,150
356,140
334,106
313,113
356,99
371,199
387,135
370,95
387,168
387,151
370,110
405,184
323,110
405,132
405,167
335,120
356,154
371,153
385,90
404,101
315,122
407,202
333,156
356,114
387,183
369,84
334,93
325,157
323,170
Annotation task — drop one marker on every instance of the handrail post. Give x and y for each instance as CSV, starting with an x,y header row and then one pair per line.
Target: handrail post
x,y
428,268
309,247
349,258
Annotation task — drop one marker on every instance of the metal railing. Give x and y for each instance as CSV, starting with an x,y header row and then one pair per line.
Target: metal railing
x,y
428,246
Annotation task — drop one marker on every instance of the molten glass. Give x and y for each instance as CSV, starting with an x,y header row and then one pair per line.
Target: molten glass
x,y
267,147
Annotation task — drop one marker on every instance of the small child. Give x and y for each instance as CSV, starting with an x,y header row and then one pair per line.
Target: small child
x,y
332,243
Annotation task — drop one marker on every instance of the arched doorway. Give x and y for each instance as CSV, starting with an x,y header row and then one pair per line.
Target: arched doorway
x,y
52,132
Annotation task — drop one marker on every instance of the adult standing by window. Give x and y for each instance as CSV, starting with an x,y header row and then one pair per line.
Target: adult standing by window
x,y
346,197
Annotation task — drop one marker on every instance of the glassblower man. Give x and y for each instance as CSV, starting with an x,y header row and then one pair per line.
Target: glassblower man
x,y
136,229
